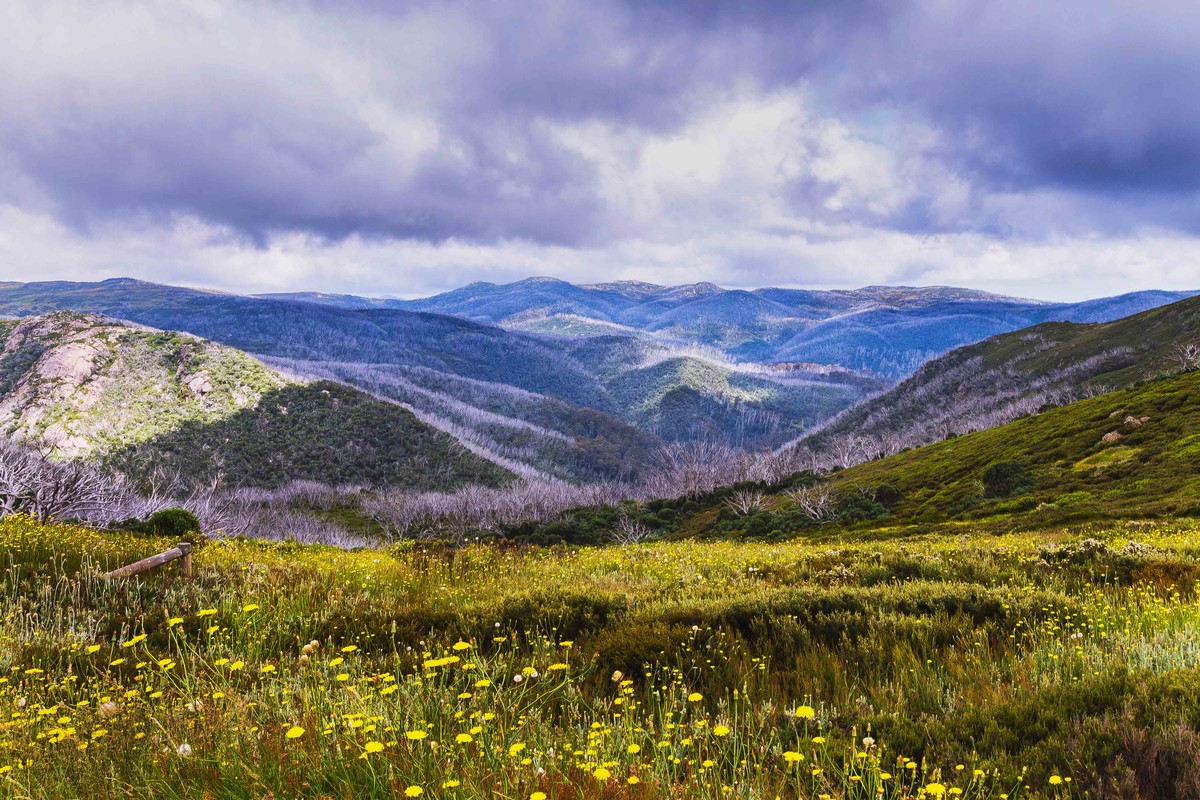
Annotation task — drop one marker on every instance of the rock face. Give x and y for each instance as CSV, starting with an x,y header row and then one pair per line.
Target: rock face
x,y
199,384
78,384
68,349
70,363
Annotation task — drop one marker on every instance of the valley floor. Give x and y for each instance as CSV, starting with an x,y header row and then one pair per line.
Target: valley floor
x,y
1061,664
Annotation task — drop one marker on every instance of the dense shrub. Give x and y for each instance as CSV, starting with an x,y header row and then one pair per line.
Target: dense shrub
x,y
174,523
630,646
1005,479
170,523
861,508
887,495
323,432
1123,736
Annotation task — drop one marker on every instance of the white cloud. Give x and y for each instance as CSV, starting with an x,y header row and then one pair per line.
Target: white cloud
x,y
409,149
194,253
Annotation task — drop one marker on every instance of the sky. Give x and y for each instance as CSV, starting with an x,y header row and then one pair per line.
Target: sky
x,y
377,147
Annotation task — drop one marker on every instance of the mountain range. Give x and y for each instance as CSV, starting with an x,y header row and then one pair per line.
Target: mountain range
x,y
546,379
570,407
886,330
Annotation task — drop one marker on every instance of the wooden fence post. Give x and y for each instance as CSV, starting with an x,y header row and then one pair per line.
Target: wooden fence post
x,y
181,551
185,561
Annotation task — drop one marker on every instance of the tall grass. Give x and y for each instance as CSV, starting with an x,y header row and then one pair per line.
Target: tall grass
x,y
1020,666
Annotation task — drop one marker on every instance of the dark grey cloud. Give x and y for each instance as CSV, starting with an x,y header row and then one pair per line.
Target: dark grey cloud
x,y
445,121
352,142
1091,98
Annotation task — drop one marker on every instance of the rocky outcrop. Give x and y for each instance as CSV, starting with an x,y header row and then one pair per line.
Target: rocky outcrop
x,y
72,348
77,384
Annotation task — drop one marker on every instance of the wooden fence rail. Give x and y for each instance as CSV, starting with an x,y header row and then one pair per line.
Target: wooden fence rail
x,y
182,551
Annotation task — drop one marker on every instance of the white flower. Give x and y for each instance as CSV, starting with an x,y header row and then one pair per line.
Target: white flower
x,y
518,678
185,750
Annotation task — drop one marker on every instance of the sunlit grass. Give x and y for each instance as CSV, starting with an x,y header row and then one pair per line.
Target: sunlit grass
x,y
858,669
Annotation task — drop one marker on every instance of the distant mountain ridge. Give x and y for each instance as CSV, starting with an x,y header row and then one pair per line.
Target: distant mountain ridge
x,y
543,402
582,382
886,330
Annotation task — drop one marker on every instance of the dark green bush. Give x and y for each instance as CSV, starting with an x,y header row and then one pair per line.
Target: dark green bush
x,y
173,523
860,508
1121,735
170,523
1005,479
628,646
887,495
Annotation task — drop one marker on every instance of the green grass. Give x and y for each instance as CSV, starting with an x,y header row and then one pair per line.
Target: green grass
x,y
1020,657
1148,472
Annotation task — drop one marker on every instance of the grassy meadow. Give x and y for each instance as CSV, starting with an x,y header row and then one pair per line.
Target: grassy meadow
x,y
1058,664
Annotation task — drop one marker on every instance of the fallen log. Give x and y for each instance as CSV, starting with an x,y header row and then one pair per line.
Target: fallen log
x,y
181,551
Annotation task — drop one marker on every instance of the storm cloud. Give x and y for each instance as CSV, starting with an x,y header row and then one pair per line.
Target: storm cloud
x,y
409,147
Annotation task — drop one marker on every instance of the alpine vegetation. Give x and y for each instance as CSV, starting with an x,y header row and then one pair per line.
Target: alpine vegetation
x,y
565,400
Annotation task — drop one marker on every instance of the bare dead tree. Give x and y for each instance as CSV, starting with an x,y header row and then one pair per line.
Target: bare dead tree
x,y
628,531
745,502
890,443
32,484
847,451
1187,355
387,510
866,490
818,503
690,469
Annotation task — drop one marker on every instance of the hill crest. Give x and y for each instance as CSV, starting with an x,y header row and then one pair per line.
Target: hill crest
x,y
148,402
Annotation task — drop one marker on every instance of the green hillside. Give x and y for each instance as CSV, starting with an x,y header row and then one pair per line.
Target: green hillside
x,y
321,431
681,396
1015,374
1150,336
156,404
1129,454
